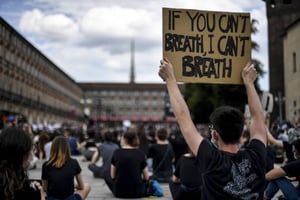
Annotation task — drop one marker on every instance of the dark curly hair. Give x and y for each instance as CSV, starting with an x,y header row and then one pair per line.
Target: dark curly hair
x,y
14,145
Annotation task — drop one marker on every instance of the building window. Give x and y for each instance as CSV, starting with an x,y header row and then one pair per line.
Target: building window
x,y
294,63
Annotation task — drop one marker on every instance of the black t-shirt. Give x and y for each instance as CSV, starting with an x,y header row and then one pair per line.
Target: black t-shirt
x,y
292,169
188,172
157,152
180,147
28,192
270,160
289,151
129,164
232,176
61,180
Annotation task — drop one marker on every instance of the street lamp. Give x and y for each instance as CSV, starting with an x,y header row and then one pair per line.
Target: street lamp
x,y
280,100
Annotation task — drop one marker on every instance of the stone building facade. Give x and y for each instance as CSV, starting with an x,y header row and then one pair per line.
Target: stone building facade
x,y
136,102
33,87
280,14
291,46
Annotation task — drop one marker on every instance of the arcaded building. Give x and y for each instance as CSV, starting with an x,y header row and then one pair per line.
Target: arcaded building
x,y
137,102
35,90
32,88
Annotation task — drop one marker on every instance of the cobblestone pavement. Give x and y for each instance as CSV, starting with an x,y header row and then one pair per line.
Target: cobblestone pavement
x,y
99,189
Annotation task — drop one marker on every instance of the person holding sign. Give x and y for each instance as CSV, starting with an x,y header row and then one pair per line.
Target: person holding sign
x,y
227,172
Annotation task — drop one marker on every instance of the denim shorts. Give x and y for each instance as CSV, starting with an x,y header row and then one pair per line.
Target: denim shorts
x,y
74,196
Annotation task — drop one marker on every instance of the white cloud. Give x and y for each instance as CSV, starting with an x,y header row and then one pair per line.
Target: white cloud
x,y
57,27
90,39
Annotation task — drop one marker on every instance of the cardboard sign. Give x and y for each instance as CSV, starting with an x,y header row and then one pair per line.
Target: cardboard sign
x,y
267,102
205,46
247,111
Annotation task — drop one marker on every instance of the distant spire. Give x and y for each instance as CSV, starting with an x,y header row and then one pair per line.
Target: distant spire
x,y
132,75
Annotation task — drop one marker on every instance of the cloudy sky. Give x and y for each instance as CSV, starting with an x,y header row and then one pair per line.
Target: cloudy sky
x,y
90,39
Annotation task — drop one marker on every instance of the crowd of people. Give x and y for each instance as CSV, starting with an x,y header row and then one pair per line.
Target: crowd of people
x,y
234,157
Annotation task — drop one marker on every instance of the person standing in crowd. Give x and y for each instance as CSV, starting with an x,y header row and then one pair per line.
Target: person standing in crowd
x,y
59,171
277,177
228,172
15,156
163,156
129,176
105,150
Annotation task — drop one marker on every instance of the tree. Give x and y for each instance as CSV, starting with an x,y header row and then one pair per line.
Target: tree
x,y
202,99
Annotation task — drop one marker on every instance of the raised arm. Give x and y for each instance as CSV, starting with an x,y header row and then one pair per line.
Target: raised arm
x,y
273,140
179,106
257,129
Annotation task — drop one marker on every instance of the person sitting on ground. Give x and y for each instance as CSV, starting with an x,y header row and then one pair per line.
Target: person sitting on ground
x,y
73,142
277,179
228,172
89,146
163,156
178,144
104,151
129,172
184,185
15,156
286,145
59,171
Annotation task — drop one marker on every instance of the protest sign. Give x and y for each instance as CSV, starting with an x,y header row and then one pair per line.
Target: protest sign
x,y
206,46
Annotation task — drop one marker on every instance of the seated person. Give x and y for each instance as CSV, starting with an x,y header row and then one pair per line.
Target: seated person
x,y
59,172
73,142
104,151
88,147
163,156
286,145
186,180
277,179
129,171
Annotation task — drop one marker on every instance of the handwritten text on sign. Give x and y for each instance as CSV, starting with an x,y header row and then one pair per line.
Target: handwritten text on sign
x,y
205,46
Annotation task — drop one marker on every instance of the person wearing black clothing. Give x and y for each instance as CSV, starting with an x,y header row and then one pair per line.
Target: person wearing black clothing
x,y
179,145
277,177
286,145
59,172
89,146
163,156
129,176
228,172
15,156
184,185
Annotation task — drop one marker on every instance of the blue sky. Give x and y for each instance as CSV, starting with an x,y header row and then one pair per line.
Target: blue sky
x,y
90,39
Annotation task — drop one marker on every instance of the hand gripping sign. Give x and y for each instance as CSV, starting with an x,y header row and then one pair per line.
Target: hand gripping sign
x,y
206,46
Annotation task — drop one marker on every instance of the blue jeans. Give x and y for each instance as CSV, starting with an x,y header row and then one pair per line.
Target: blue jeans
x,y
287,188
